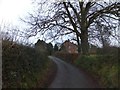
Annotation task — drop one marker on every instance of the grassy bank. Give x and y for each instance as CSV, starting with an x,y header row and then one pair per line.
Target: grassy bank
x,y
23,66
102,67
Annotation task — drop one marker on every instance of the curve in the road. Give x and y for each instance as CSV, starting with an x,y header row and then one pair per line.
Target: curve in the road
x,y
70,77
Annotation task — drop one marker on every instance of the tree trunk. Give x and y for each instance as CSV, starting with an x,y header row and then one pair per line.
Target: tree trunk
x,y
84,42
78,43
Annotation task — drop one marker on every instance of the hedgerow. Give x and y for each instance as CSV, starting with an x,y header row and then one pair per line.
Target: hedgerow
x,y
21,65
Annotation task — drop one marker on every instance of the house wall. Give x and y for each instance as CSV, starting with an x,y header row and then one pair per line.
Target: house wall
x,y
70,47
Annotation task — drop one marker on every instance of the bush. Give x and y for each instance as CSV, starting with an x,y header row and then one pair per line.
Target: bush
x,y
21,65
68,57
108,51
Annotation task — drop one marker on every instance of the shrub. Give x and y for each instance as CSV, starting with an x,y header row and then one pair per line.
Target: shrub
x,y
68,57
21,65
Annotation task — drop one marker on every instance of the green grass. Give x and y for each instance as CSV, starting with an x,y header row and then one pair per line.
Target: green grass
x,y
104,67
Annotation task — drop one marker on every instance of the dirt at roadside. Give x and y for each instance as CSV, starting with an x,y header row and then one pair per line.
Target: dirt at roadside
x,y
48,76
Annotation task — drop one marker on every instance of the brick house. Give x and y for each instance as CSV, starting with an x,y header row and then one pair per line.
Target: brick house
x,y
69,47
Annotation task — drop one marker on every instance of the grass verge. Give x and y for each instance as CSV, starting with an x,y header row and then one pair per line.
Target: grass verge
x,y
102,67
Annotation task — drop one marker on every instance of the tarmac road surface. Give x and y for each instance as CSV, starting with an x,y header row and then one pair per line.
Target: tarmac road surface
x,y
69,76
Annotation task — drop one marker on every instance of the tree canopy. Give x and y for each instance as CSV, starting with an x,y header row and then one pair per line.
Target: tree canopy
x,y
76,18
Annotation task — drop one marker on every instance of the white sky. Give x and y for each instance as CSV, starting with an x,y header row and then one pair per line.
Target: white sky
x,y
12,10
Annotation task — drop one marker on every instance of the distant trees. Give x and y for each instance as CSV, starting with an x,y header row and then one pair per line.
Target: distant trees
x,y
104,34
74,17
50,48
41,45
13,33
56,48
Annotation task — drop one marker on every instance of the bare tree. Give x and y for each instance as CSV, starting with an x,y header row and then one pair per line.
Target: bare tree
x,y
14,34
73,17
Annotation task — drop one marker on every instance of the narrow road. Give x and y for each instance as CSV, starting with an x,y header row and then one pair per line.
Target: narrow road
x,y
70,77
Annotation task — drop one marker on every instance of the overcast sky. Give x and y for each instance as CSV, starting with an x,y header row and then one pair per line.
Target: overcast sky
x,y
12,10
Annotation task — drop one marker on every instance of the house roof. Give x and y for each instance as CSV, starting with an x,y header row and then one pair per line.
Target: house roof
x,y
68,41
